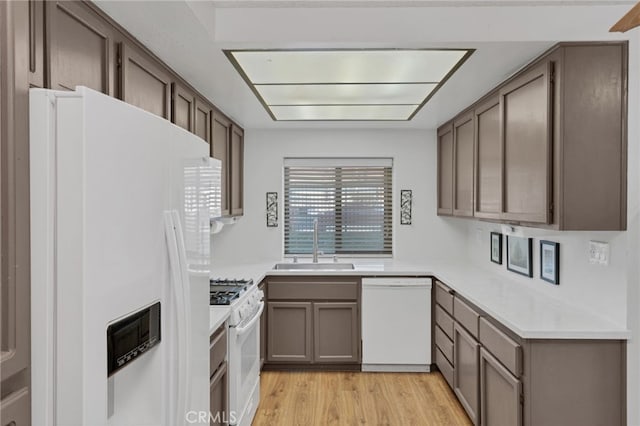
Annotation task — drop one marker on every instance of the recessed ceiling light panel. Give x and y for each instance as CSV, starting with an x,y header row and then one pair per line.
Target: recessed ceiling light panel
x,y
344,94
316,82
343,112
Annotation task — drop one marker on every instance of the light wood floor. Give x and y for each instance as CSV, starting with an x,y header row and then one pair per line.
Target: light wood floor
x,y
347,398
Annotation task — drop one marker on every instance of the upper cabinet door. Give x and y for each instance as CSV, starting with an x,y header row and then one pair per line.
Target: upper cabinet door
x,y
36,43
202,120
488,172
79,48
143,83
526,110
445,170
463,139
220,134
183,104
237,160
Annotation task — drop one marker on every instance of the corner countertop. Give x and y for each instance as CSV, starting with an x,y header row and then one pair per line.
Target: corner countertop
x,y
528,313
217,316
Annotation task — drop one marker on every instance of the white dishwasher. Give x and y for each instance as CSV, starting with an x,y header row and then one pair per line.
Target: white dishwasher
x,y
396,324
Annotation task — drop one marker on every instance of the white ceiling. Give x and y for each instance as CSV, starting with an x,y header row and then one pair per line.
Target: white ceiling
x,y
190,35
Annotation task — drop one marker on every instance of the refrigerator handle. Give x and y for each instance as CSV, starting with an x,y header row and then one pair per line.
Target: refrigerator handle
x,y
186,294
178,294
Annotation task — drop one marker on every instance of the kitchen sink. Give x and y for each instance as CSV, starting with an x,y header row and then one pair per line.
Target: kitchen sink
x,y
313,266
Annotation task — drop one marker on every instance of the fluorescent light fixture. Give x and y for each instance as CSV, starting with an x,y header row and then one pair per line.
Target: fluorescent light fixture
x,y
344,94
365,84
342,112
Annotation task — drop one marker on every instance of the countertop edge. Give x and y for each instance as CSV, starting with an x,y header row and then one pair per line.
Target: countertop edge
x,y
217,316
531,334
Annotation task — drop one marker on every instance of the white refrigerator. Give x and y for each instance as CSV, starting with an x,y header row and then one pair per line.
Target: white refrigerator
x,y
120,207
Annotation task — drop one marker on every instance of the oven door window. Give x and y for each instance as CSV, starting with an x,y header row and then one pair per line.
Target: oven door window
x,y
250,362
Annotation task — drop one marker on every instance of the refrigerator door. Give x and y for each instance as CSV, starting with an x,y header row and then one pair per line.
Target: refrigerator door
x,y
192,189
106,173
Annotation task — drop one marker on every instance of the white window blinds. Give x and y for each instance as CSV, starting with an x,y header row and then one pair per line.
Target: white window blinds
x,y
350,198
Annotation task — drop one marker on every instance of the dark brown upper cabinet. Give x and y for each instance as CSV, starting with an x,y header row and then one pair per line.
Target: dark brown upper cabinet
x,y
183,105
445,169
463,147
202,120
236,171
143,82
79,48
526,108
550,144
220,137
488,166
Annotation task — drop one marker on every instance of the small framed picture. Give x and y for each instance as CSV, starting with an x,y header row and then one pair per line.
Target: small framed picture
x,y
496,248
519,255
550,261
272,209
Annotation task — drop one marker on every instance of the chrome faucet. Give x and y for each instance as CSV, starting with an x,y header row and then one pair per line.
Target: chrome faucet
x,y
315,240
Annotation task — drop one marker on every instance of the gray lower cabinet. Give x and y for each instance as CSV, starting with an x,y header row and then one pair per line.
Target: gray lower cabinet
x,y
289,331
466,351
218,377
500,393
218,387
335,331
502,379
313,321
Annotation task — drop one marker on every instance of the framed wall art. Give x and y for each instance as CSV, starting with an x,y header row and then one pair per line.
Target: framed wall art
x,y
496,248
550,261
520,255
272,209
406,201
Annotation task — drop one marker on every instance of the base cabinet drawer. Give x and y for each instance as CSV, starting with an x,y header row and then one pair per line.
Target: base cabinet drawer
x,y
466,316
445,367
444,344
500,391
218,402
217,348
444,297
444,321
507,351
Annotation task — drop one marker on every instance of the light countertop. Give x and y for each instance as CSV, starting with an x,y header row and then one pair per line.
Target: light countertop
x,y
217,316
528,313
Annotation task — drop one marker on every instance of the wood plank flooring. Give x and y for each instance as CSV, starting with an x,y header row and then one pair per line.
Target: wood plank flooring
x,y
354,398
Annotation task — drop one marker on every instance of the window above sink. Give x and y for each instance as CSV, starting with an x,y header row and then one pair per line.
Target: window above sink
x,y
351,199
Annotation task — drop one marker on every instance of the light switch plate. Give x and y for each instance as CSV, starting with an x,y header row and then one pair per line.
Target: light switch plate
x,y
478,235
598,253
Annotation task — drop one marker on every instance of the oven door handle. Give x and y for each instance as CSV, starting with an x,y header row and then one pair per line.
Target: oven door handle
x,y
240,331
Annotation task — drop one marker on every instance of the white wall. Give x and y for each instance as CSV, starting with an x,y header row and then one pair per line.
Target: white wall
x,y
601,289
414,155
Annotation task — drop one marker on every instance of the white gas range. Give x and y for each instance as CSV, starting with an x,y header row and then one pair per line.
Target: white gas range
x,y
246,303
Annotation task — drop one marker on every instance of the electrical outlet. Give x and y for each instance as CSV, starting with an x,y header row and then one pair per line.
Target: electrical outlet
x,y
598,253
